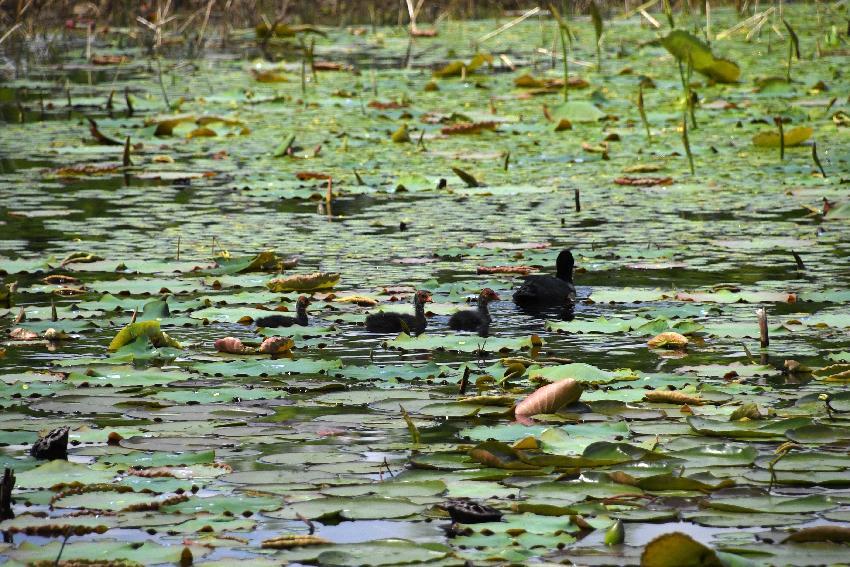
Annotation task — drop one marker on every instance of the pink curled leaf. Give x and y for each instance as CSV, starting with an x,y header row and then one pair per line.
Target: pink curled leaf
x,y
230,345
548,399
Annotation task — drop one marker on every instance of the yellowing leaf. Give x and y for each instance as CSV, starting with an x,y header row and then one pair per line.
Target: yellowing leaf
x,y
793,137
668,340
528,82
689,48
458,68
360,300
678,550
166,127
276,345
293,540
304,282
478,60
401,135
269,76
453,69
202,132
149,329
672,397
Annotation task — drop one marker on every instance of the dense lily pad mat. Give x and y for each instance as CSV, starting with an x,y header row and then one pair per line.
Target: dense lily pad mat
x,y
451,183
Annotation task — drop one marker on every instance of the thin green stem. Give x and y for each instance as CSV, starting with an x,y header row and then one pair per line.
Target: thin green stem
x,y
566,65
642,111
687,143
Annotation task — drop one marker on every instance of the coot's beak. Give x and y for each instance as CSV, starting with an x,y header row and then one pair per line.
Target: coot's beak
x,y
495,297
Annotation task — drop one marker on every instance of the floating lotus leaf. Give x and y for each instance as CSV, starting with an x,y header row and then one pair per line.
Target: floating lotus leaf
x,y
792,137
678,550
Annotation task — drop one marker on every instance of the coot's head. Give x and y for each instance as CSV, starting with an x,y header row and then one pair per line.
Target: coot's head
x,y
564,265
422,296
303,301
487,295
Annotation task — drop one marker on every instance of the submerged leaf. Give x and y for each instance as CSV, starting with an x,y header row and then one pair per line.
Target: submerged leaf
x,y
578,111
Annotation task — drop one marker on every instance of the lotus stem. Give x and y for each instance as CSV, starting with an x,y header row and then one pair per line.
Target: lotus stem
x,y
778,121
642,112
564,31
816,159
686,142
764,338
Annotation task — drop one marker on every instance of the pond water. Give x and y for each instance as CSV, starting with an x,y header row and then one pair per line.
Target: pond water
x,y
360,439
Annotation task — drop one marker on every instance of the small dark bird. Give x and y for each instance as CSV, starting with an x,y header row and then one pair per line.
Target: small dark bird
x,y
475,319
52,446
471,512
286,320
549,290
415,324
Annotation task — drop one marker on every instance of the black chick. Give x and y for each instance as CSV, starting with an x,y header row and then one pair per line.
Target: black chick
x,y
542,290
471,512
286,320
477,320
387,322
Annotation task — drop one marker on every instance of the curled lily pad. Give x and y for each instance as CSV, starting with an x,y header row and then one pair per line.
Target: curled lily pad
x,y
143,329
689,48
550,398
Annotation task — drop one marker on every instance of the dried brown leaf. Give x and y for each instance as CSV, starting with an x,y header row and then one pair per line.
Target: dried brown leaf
x,y
669,339
672,397
643,181
469,127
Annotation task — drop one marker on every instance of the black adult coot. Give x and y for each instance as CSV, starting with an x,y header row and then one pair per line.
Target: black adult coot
x,y
549,290
286,320
475,319
388,322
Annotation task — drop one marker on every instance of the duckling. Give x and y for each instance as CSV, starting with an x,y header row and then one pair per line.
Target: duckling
x,y
286,320
475,319
388,322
